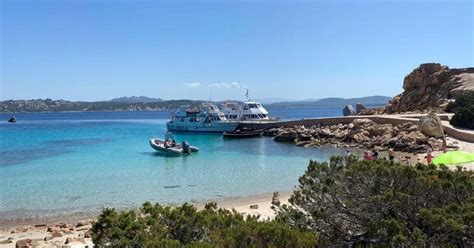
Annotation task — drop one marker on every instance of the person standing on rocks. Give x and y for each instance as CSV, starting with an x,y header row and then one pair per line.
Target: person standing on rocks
x,y
391,154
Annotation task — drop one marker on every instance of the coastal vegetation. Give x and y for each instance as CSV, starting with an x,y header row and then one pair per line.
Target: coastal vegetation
x,y
344,202
463,109
185,226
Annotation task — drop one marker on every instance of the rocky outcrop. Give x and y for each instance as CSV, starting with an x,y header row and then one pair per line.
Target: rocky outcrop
x,y
286,136
431,125
362,133
348,110
430,87
360,107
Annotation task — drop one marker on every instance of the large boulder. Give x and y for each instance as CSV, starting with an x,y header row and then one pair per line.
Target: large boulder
x,y
360,107
431,125
348,110
430,87
286,137
379,130
23,243
362,123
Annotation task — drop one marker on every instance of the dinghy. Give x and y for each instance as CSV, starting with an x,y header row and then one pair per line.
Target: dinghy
x,y
177,149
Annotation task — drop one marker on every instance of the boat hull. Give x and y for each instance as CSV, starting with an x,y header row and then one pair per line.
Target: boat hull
x,y
241,135
216,127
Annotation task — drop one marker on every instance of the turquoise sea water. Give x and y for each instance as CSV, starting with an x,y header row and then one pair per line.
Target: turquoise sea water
x,y
58,163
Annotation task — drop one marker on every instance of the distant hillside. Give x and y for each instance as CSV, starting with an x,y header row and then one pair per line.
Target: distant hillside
x,y
138,104
271,100
136,99
335,102
49,105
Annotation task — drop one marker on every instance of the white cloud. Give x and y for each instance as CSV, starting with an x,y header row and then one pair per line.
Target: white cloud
x,y
192,85
233,85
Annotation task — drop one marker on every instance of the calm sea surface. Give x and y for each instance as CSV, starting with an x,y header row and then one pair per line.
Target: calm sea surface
x,y
65,162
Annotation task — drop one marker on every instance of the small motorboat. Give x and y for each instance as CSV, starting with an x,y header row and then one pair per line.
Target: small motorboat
x,y
243,133
173,149
12,120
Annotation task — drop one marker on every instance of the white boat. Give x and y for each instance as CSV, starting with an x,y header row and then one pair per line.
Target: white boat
x,y
159,145
208,118
248,111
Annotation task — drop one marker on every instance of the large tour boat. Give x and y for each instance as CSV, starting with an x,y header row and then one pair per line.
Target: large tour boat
x,y
207,118
248,111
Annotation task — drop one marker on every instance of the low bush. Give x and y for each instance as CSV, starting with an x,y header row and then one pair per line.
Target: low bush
x,y
463,109
380,203
185,226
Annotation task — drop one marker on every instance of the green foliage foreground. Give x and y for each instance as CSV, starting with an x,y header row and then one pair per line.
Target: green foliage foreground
x,y
383,204
185,226
346,202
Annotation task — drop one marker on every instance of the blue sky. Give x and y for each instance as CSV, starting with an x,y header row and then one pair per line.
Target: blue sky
x,y
97,50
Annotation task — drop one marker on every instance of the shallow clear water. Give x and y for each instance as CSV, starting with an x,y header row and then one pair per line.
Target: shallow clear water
x,y
85,161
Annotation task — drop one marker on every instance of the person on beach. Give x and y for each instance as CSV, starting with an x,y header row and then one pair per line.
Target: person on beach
x,y
391,154
429,155
367,155
375,154
348,153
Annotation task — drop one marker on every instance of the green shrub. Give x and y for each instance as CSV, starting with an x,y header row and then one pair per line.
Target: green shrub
x,y
463,117
185,226
380,203
465,99
463,109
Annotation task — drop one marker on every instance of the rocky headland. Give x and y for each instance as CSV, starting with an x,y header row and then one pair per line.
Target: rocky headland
x,y
429,87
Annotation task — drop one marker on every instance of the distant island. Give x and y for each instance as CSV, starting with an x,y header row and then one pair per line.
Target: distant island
x,y
334,102
143,103
128,104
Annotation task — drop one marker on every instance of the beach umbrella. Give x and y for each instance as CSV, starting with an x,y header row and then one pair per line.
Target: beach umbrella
x,y
454,157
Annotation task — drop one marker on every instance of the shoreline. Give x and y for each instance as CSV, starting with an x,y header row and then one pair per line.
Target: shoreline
x,y
74,231
240,204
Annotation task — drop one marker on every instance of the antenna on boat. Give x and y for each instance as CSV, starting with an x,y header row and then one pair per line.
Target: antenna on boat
x,y
247,95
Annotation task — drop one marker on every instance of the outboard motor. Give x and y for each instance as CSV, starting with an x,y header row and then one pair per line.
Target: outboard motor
x,y
185,146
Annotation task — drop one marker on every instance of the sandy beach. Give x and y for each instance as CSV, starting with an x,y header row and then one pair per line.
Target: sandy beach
x,y
72,231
